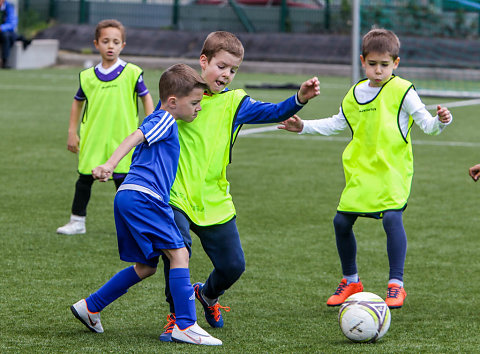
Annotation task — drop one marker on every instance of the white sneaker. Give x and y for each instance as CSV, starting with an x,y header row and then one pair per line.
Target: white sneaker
x,y
89,319
75,226
194,335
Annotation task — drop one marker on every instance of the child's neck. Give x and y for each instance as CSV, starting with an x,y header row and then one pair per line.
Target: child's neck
x,y
107,64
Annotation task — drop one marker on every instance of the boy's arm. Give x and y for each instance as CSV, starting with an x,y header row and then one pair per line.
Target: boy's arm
x,y
105,171
256,112
147,102
429,124
325,126
11,20
73,139
474,172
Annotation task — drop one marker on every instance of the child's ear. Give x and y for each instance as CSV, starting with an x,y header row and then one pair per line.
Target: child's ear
x,y
203,61
396,62
95,43
362,60
172,101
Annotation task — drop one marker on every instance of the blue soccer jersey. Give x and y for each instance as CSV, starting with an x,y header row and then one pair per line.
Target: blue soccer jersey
x,y
155,161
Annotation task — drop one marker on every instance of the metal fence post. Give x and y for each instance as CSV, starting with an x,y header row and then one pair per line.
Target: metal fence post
x,y
283,16
355,41
83,13
175,11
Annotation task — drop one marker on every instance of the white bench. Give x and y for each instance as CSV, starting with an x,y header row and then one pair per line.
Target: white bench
x,y
40,53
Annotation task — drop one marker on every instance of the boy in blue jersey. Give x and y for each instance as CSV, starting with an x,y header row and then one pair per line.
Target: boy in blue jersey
x,y
144,220
110,89
200,195
378,162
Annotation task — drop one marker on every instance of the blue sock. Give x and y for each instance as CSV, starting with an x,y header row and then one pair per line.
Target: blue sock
x,y
351,278
183,297
112,289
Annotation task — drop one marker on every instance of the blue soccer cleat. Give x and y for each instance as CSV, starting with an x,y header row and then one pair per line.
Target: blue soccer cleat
x,y
212,313
166,336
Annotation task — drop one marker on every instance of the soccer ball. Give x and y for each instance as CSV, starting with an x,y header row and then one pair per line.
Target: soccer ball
x,y
364,317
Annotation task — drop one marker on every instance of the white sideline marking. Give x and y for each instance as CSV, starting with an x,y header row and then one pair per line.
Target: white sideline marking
x,y
271,128
291,136
36,88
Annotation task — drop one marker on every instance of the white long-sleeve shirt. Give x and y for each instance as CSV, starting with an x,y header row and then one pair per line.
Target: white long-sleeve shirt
x,y
412,105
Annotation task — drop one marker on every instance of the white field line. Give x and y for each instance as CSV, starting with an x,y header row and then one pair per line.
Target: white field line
x,y
53,87
270,128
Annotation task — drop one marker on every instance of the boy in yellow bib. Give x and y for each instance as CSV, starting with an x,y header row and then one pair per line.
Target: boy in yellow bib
x,y
110,89
378,161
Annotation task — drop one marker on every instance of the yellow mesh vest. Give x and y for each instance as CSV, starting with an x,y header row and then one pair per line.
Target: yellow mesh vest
x,y
378,161
110,115
201,188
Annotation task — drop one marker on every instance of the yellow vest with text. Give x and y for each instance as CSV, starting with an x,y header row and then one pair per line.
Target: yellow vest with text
x,y
378,161
110,115
201,189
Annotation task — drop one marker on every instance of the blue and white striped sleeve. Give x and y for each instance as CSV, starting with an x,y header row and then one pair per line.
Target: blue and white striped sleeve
x,y
158,127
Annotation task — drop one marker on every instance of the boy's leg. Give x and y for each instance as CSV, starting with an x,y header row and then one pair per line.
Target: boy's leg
x,y
83,190
397,251
88,310
76,225
346,242
185,328
183,224
347,251
118,179
183,297
113,289
6,39
222,245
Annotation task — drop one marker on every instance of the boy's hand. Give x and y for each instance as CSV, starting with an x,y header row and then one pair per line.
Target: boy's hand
x,y
292,124
308,90
102,172
474,172
72,142
444,115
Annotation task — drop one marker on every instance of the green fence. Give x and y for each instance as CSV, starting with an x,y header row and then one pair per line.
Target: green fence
x,y
447,18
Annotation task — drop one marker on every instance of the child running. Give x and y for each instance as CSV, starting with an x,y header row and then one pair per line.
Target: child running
x,y
144,220
111,114
200,195
378,161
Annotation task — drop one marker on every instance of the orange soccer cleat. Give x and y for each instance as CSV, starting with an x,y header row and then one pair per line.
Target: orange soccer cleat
x,y
343,291
396,294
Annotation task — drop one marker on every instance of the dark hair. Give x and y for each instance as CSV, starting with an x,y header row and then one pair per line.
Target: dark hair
x,y
179,80
110,23
221,40
380,40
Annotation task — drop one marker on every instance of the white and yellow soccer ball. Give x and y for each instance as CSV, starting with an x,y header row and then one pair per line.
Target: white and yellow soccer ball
x,y
364,317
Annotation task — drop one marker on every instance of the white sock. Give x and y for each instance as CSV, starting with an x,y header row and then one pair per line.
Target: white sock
x,y
395,281
78,218
351,278
210,302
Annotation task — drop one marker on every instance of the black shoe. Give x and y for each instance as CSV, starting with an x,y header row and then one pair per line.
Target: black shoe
x,y
26,43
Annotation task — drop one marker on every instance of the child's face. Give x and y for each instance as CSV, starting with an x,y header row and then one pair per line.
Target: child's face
x,y
378,67
220,71
187,108
109,44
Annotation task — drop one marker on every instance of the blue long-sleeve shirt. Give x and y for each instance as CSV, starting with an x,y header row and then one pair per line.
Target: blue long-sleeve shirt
x,y
8,18
257,112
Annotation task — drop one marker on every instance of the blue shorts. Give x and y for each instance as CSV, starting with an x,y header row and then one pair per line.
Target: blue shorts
x,y
145,226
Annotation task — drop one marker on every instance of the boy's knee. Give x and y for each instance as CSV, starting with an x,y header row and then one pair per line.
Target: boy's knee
x,y
236,267
144,271
392,218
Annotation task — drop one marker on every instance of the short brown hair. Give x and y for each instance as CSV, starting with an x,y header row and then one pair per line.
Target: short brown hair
x,y
110,23
380,40
221,40
179,80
